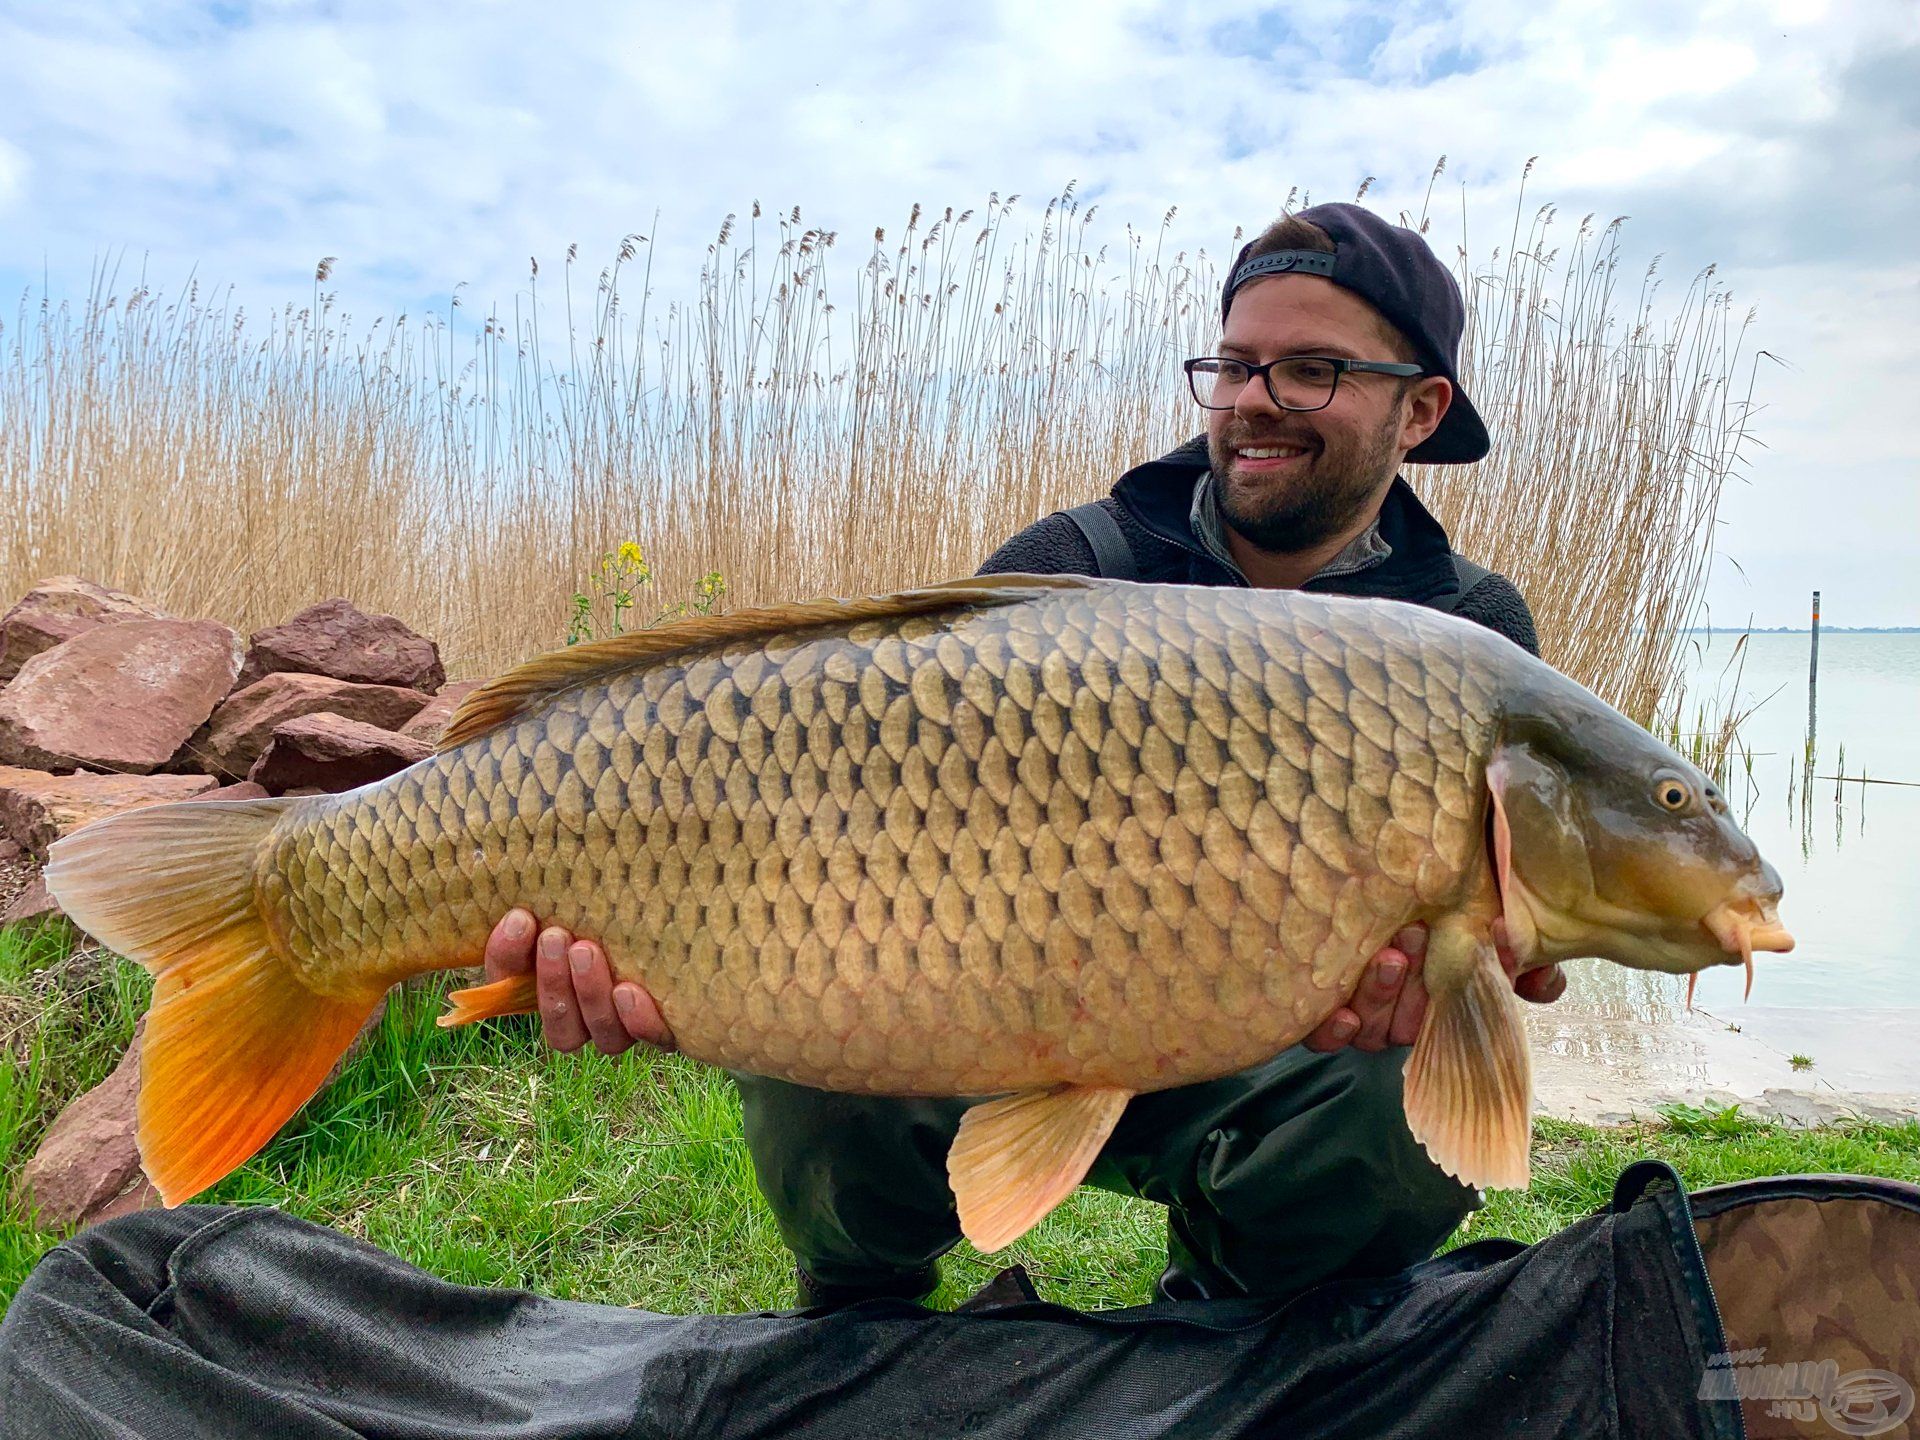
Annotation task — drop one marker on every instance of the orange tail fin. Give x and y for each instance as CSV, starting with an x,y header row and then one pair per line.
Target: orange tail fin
x,y
236,1041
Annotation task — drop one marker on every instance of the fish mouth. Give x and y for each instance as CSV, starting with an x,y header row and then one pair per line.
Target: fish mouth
x,y
1742,927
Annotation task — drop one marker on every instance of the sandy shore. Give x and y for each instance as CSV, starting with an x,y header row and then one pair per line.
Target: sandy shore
x,y
1600,1064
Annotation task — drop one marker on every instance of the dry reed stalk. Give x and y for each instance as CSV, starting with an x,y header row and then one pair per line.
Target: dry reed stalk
x,y
801,435
1615,427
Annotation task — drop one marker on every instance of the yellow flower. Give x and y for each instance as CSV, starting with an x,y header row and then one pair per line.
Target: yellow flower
x,y
631,555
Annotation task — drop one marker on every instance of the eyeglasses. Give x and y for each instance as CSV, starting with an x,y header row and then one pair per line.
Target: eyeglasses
x,y
1294,382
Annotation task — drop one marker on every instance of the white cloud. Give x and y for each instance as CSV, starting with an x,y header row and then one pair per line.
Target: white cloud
x,y
424,149
13,174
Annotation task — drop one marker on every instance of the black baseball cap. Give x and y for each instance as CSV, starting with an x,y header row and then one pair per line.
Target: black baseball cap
x,y
1392,269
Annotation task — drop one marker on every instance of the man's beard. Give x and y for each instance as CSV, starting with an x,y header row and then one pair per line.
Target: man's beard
x,y
1286,516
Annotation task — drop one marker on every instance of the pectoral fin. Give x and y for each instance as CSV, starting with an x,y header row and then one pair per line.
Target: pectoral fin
x,y
1017,1158
1469,1084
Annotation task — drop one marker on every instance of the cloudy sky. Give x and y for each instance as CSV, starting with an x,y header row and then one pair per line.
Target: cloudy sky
x,y
426,144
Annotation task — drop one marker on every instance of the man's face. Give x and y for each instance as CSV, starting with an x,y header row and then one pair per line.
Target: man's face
x,y
1313,473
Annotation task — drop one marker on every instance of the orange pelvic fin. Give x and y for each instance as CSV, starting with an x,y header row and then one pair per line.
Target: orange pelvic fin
x,y
236,1041
1469,1081
515,995
1017,1158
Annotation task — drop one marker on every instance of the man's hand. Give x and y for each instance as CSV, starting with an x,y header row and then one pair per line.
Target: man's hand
x,y
1388,1005
578,999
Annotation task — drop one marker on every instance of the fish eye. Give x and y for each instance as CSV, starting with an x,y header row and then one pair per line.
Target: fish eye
x,y
1670,792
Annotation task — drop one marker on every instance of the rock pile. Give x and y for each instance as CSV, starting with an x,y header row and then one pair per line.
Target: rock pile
x,y
111,703
107,703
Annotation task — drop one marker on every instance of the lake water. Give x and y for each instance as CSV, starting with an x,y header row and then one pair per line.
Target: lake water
x,y
1848,996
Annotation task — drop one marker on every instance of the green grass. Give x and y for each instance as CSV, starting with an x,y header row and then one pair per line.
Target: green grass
x,y
1575,1165
485,1158
63,1025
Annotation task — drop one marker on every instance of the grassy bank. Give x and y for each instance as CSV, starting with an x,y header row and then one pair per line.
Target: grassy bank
x,y
486,1158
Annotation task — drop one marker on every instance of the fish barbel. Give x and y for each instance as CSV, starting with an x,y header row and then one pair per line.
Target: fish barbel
x,y
1051,839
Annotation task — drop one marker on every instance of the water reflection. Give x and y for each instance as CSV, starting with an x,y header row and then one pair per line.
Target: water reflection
x,y
1635,1063
1631,1022
1614,992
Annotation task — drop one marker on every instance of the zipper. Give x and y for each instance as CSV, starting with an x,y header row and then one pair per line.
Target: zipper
x,y
1179,543
1713,1304
1628,1189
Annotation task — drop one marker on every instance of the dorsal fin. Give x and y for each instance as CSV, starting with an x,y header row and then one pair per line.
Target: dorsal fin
x,y
508,696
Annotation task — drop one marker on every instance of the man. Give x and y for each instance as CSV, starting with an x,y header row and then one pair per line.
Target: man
x,y
1337,364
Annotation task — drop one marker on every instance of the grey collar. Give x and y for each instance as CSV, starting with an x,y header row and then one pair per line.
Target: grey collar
x,y
1363,552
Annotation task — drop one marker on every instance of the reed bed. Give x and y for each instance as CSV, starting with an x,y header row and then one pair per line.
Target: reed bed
x,y
803,424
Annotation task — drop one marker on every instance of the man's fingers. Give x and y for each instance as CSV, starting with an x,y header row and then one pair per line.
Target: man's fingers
x,y
1542,986
574,980
559,1006
1371,1017
1410,1011
510,946
640,1013
1376,999
1335,1032
593,988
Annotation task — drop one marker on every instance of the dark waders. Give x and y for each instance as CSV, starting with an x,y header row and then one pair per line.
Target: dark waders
x,y
1297,1171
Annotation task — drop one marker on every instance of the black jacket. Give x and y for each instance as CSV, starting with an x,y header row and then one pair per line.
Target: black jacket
x,y
1153,504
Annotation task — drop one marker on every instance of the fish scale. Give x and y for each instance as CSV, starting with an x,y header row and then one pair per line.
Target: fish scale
x,y
1113,836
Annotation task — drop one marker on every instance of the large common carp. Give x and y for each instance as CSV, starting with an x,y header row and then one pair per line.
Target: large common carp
x,y
1050,839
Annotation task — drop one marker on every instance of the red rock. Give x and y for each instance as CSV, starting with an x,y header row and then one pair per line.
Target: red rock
x,y
333,753
36,808
58,609
10,849
428,724
245,790
32,907
120,697
140,1194
88,1159
335,638
238,732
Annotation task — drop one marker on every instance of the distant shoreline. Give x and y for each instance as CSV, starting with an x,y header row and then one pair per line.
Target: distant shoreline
x,y
1803,630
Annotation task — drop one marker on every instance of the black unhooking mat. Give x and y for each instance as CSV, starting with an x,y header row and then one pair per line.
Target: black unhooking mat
x,y
243,1323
